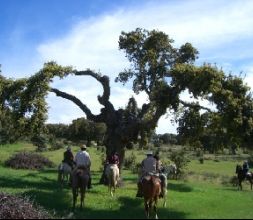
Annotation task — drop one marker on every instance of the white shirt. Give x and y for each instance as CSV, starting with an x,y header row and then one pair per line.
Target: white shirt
x,y
83,159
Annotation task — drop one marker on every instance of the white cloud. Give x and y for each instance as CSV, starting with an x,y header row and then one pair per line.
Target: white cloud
x,y
212,26
249,77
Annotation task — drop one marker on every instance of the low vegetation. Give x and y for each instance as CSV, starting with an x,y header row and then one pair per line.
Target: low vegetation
x,y
28,160
15,207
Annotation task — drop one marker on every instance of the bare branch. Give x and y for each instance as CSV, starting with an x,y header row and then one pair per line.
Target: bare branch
x,y
104,80
82,106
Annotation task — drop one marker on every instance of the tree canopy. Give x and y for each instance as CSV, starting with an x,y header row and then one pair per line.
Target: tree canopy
x,y
164,73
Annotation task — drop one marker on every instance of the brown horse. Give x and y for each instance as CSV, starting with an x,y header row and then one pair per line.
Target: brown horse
x,y
151,188
79,181
242,176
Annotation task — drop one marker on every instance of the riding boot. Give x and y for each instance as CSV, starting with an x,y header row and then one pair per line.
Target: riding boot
x,y
139,192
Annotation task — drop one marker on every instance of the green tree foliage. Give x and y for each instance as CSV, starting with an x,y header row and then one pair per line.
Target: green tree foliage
x,y
168,139
23,101
163,72
80,129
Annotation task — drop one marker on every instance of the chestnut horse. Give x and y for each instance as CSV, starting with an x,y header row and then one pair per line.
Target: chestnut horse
x,y
241,176
151,188
79,181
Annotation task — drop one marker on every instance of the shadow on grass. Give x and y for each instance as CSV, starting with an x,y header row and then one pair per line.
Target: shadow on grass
x,y
129,208
31,180
46,193
179,187
57,202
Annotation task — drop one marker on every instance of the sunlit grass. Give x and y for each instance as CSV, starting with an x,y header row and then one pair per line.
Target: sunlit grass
x,y
192,198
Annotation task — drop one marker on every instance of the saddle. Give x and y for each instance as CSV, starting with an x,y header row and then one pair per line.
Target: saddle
x,y
150,177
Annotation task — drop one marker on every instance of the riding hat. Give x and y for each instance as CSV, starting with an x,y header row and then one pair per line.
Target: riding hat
x,y
149,153
84,147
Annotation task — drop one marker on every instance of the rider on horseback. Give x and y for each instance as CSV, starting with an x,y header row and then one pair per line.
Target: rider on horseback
x,y
245,168
149,167
68,157
113,159
83,161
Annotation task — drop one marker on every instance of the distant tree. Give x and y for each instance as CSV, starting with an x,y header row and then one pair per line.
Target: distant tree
x,y
58,130
168,138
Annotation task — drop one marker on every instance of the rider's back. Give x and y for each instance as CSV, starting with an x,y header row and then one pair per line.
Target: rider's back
x,y
149,165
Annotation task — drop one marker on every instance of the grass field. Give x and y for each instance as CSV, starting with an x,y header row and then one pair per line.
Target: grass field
x,y
200,195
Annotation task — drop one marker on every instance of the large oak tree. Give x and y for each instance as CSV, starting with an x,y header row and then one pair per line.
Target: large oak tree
x,y
160,70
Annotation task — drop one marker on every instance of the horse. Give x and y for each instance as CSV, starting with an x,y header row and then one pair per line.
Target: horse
x,y
241,176
64,172
79,181
151,188
164,185
112,175
171,171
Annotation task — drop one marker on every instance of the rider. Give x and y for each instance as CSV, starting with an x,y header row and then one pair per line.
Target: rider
x,y
113,159
68,157
148,166
245,168
161,170
83,160
110,160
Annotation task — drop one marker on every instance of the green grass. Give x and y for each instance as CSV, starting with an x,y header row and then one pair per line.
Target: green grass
x,y
196,197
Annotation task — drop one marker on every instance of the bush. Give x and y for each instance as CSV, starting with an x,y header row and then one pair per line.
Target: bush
x,y
13,207
130,162
201,160
28,160
181,161
40,141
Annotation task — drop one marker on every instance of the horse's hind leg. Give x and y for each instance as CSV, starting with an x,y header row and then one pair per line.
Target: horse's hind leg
x,y
74,192
82,198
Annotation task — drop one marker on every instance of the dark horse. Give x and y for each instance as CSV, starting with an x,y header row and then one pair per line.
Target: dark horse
x,y
151,188
80,181
242,176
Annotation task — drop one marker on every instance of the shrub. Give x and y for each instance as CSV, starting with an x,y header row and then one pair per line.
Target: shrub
x,y
14,207
40,141
201,160
180,159
102,159
28,160
130,162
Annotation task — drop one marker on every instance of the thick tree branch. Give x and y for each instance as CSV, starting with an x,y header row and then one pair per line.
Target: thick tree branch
x,y
194,105
104,80
82,106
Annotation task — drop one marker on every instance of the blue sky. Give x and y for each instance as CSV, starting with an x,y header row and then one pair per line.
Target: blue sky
x,y
84,33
